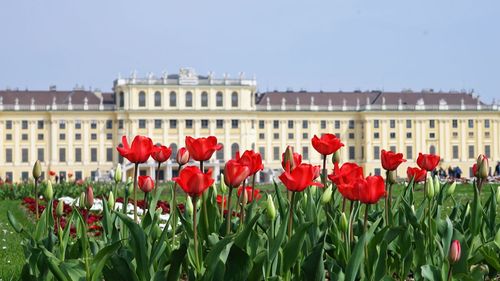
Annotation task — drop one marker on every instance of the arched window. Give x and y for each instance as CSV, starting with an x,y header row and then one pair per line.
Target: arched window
x,y
173,146
234,148
142,99
432,150
173,99
204,99
219,154
121,100
189,99
157,99
234,99
219,99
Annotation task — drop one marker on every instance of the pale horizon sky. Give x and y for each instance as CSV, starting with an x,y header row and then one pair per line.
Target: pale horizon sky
x,y
313,45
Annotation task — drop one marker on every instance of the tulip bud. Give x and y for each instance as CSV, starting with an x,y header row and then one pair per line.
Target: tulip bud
x,y
158,212
89,197
271,211
483,167
60,208
182,156
189,206
336,157
437,185
49,192
451,188
429,187
313,189
244,198
412,207
37,170
288,157
327,195
454,251
111,201
118,173
391,177
343,222
304,201
497,238
223,187
129,186
81,201
467,210
498,194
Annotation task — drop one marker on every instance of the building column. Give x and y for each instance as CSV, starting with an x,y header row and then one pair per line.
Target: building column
x,y
495,149
269,137
169,170
463,136
180,130
479,146
165,132
368,141
53,141
2,133
441,135
227,141
32,137
86,148
71,152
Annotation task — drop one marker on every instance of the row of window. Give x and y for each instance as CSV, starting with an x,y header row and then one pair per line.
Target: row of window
x,y
62,124
432,123
305,124
62,176
219,99
62,155
219,123
62,136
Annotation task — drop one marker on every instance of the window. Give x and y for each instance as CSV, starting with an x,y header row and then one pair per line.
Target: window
x,y
24,124
93,125
408,135
142,99
219,154
376,135
219,99
62,125
487,134
220,123
261,136
78,136
173,124
392,135
305,124
120,124
276,124
157,123
454,123
408,124
432,124
487,151
40,154
24,155
78,175
276,136
455,134
173,146
189,124
40,137
392,148
290,136
157,99
432,135
8,137
351,124
78,154
471,123
189,99
351,136
376,124
40,124
25,176
305,153
142,124
24,137
234,149
93,154
262,152
432,150
487,123
276,153
109,154
377,171
362,152
392,124
261,124
290,124
323,124
121,100
471,152
62,154
204,124
337,124
109,124
204,99
409,152
305,136
234,99
455,151
173,99
352,152
376,152
8,124
62,136
78,125
8,176
8,155
235,124
471,134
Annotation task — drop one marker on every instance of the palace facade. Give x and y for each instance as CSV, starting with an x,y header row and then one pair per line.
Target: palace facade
x,y
77,131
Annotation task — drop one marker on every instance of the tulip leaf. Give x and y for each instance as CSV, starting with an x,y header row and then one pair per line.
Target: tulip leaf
x,y
275,244
258,263
279,198
381,266
355,260
177,258
431,273
446,237
313,266
475,213
119,269
13,222
101,258
214,256
238,265
242,239
294,246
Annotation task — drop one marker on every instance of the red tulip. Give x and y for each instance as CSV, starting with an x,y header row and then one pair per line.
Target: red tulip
x,y
182,156
327,144
416,174
428,162
146,183
251,159
474,169
161,153
345,178
371,189
201,149
455,251
219,201
140,150
299,178
89,197
248,190
391,160
193,181
235,173
52,173
293,158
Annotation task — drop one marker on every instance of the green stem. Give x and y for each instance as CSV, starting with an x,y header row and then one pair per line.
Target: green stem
x,y
389,200
157,176
228,216
204,201
450,273
37,215
290,219
195,229
136,171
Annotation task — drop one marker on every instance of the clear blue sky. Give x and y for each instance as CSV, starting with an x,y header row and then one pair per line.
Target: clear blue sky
x,y
328,45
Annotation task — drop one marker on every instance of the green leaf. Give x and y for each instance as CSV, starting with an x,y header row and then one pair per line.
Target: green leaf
x,y
178,256
101,258
275,244
431,273
294,246
476,212
381,267
446,238
313,266
13,222
355,260
242,238
214,256
238,265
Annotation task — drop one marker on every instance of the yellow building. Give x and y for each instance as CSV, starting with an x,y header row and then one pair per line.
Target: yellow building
x,y
77,131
